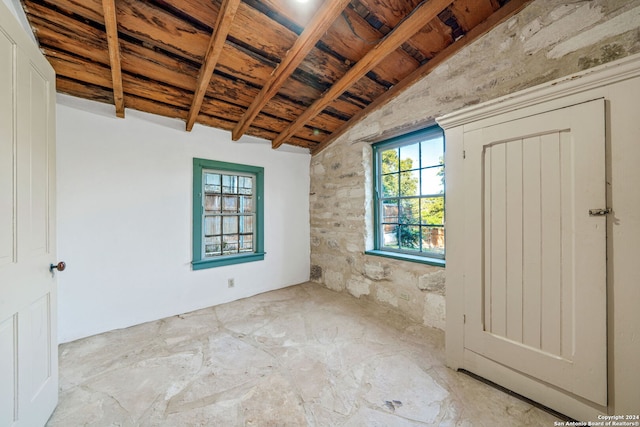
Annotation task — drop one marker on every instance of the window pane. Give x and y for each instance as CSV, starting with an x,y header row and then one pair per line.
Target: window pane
x,y
230,244
212,203
230,225
390,236
212,183
229,184
390,185
246,243
433,239
246,224
433,181
410,157
245,185
230,204
212,225
410,211
432,152
390,212
212,246
410,237
432,210
389,160
410,183
246,204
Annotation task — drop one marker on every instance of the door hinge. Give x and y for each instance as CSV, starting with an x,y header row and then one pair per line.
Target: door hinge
x,y
599,212
464,318
464,154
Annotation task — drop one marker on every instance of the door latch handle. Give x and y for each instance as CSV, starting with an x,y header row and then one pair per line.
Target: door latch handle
x,y
59,266
599,212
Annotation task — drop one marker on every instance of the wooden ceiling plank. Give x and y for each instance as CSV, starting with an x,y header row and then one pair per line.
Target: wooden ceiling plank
x,y
216,44
111,26
424,13
83,90
470,13
501,15
85,40
318,26
74,68
150,24
239,93
90,9
434,37
390,12
296,12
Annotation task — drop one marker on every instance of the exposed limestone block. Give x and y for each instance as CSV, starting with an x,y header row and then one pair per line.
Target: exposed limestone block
x,y
433,282
384,295
358,287
405,276
352,247
333,244
318,169
376,271
613,27
334,280
563,21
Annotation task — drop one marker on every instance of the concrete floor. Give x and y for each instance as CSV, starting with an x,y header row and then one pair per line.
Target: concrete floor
x,y
300,356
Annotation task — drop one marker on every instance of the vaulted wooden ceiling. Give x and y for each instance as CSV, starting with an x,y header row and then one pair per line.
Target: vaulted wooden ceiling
x,y
291,72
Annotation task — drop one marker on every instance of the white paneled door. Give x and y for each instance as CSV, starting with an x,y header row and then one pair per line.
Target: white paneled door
x,y
28,341
535,285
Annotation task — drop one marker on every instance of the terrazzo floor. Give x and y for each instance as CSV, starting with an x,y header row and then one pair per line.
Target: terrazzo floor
x,y
299,356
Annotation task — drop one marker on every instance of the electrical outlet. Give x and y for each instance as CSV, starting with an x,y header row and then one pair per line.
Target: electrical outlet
x,y
405,296
231,283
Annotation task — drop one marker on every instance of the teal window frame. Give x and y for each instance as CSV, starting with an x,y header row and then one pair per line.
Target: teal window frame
x,y
424,257
199,262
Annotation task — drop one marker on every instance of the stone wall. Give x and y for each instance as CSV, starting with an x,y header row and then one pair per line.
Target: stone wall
x,y
547,40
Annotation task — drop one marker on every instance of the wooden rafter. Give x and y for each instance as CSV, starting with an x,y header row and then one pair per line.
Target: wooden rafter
x,y
321,21
111,26
502,14
424,13
216,43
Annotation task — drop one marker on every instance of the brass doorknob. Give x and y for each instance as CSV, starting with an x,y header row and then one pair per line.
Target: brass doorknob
x,y
59,266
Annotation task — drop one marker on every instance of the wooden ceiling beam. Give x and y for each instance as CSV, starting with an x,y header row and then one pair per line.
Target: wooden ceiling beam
x,y
216,44
501,15
316,28
422,14
111,27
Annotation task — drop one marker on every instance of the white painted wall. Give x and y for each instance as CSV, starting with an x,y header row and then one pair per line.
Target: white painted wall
x,y
124,218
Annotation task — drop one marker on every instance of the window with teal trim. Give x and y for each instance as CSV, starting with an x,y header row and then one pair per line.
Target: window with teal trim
x,y
409,196
228,219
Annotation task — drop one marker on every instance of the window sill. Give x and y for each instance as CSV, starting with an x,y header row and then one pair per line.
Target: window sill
x,y
406,257
226,260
